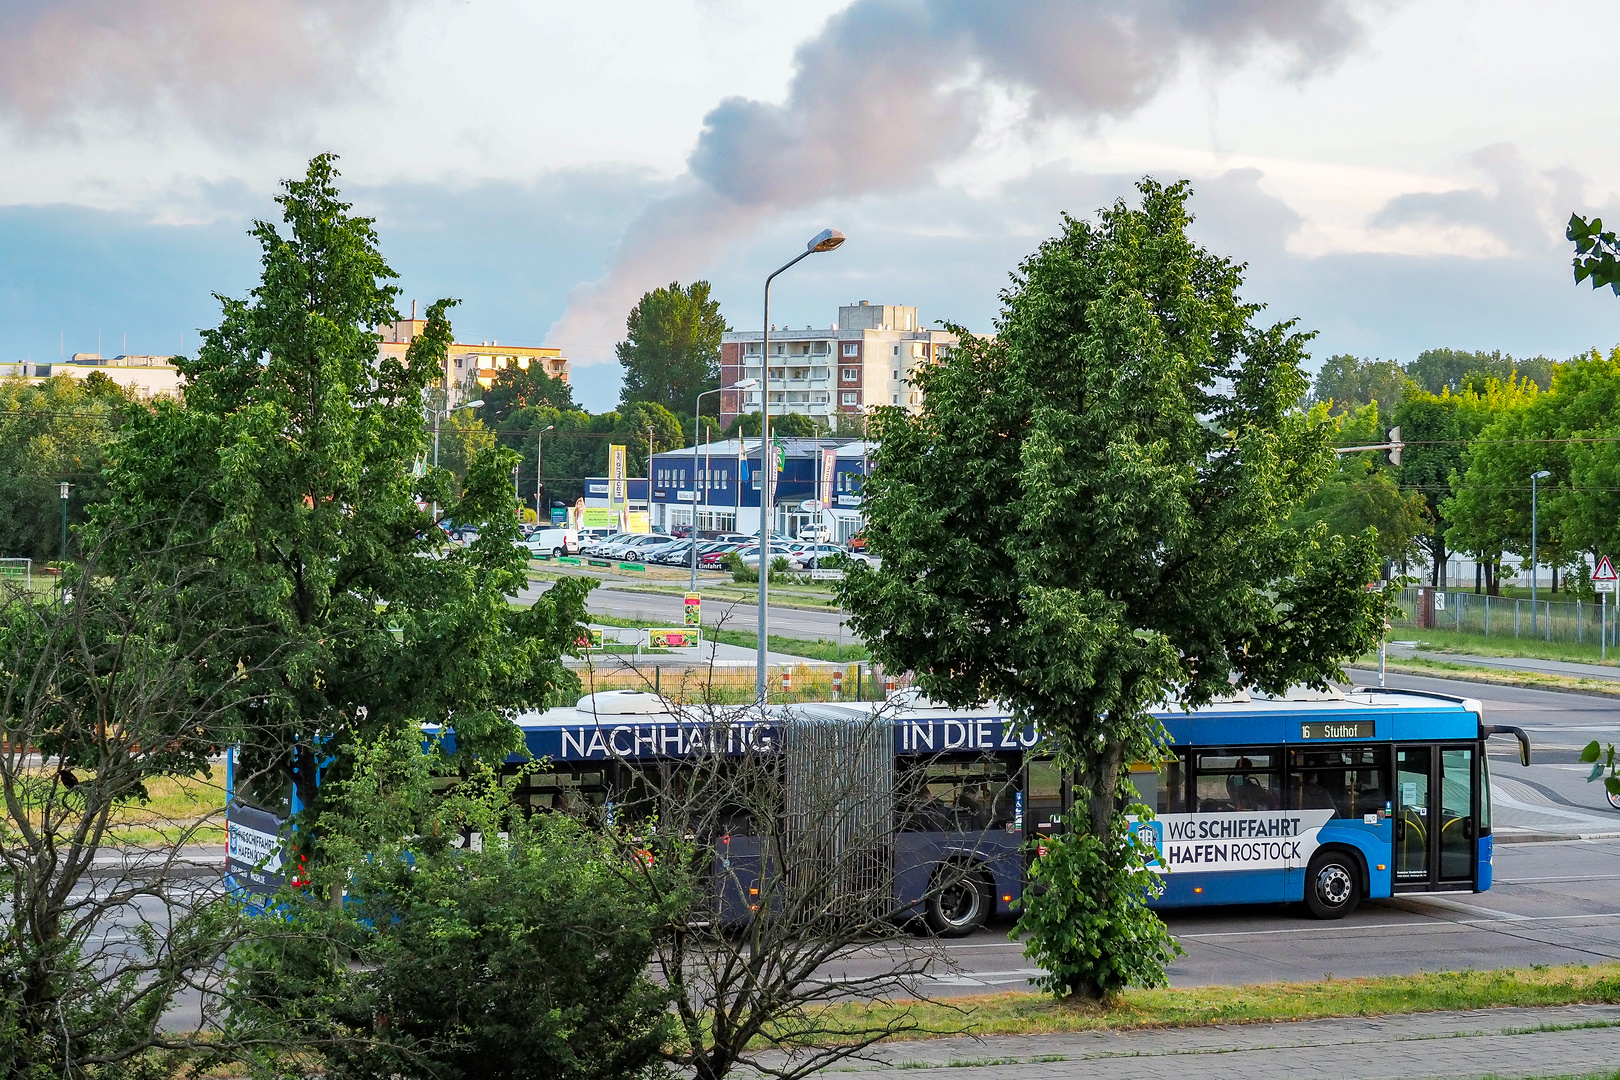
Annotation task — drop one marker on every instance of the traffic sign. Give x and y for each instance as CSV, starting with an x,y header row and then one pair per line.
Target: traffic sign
x,y
1604,571
1604,586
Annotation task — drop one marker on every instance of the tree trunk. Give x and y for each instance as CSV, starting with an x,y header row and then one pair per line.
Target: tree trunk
x,y
1479,574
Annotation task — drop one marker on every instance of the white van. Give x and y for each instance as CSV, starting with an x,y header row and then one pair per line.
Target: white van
x,y
552,542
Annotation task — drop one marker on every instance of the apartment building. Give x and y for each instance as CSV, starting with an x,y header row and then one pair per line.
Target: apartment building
x,y
864,360
145,376
468,367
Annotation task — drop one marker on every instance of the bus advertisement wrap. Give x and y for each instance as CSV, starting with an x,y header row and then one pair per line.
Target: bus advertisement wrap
x,y
1245,840
253,857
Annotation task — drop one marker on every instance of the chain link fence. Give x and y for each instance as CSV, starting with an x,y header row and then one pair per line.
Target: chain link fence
x,y
1577,621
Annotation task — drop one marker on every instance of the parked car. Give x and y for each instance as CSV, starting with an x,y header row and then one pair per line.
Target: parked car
x,y
553,542
784,549
635,546
825,555
682,555
601,539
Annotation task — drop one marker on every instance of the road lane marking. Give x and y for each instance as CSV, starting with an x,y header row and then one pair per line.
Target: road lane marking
x,y
1434,921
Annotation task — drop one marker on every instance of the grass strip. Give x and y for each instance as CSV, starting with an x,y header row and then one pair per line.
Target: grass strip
x,y
816,649
1027,1013
1529,680
1508,647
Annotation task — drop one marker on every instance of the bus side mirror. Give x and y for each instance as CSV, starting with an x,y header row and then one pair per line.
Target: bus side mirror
x,y
1517,733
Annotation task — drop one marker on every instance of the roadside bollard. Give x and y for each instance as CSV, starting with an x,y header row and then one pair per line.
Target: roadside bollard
x,y
838,683
787,681
890,684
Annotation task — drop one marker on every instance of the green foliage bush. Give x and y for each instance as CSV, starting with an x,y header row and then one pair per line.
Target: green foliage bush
x,y
1086,917
520,953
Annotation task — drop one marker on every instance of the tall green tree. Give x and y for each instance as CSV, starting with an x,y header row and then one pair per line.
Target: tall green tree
x,y
1438,429
1088,516
788,426
293,470
1439,370
520,388
52,432
671,350
1349,382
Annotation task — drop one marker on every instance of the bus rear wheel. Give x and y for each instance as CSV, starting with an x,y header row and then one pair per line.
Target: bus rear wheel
x,y
1332,885
959,903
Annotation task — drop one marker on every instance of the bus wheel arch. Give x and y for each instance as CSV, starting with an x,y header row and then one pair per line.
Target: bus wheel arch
x,y
961,898
1335,881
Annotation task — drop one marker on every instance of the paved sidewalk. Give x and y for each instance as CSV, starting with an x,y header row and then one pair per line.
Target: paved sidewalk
x,y
191,861
1511,663
1507,1043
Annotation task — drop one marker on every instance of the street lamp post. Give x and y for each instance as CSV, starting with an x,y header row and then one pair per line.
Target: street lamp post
x,y
825,240
539,479
1542,475
65,487
697,420
440,414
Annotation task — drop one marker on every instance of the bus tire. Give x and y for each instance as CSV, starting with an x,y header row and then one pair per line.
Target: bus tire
x,y
1332,884
959,903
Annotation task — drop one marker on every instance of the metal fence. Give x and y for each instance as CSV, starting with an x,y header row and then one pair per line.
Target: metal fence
x,y
1578,621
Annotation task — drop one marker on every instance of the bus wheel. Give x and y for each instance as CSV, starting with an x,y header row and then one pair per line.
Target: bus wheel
x,y
959,904
1332,888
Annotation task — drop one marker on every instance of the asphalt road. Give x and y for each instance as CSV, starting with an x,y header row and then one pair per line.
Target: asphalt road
x,y
626,604
1553,903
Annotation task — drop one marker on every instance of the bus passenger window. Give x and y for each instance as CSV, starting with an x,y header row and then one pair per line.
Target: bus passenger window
x,y
1230,780
572,791
933,795
1171,793
1349,780
1043,793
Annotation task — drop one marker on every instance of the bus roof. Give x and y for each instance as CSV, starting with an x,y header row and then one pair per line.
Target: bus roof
x,y
635,725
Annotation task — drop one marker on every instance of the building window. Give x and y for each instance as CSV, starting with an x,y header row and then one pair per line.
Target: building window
x,y
894,399
852,348
917,351
849,374
897,350
849,398
458,361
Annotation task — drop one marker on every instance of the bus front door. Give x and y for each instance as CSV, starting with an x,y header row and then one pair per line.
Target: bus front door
x,y
1434,818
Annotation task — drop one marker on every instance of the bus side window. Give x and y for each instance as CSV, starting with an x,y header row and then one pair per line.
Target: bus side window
x,y
953,795
1352,781
1171,793
1043,793
1238,778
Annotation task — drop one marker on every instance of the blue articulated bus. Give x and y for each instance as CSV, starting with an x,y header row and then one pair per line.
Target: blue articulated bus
x,y
1322,798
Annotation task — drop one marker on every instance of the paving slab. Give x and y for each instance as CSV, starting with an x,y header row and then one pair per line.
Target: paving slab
x,y
1506,1043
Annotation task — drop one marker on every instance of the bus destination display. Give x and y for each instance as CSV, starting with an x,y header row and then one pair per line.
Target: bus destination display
x,y
1338,729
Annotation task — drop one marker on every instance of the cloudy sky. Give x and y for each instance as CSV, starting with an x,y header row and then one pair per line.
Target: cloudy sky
x,y
1396,174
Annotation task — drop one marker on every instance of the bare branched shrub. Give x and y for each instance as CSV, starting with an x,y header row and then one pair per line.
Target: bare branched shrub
x,y
111,720
780,825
